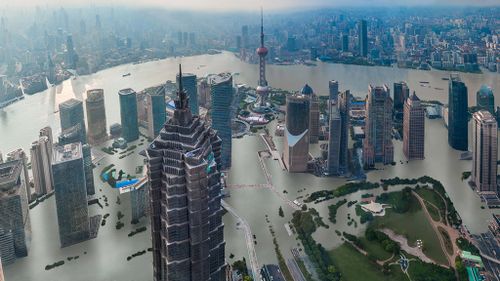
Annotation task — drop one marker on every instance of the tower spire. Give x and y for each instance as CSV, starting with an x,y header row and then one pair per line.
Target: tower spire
x,y
182,99
261,27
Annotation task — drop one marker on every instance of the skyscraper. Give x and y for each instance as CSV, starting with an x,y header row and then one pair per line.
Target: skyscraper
x,y
484,152
41,153
128,113
88,167
413,128
485,99
401,93
19,154
189,84
186,216
222,95
344,105
377,145
71,194
204,93
333,87
345,43
296,140
157,113
333,166
262,88
96,116
71,114
14,216
363,38
313,112
71,56
457,114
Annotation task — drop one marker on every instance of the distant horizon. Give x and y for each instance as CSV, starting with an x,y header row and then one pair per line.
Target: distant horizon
x,y
251,6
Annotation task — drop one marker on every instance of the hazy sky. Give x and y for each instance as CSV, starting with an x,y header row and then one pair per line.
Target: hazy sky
x,y
212,5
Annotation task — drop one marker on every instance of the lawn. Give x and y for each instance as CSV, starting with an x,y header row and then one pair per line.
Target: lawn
x,y
433,211
432,197
413,225
354,266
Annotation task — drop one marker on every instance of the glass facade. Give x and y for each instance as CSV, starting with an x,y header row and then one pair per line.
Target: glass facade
x,y
128,113
222,97
458,114
71,114
71,194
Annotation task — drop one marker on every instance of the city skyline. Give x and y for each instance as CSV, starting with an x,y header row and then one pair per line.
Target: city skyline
x,y
291,136
246,5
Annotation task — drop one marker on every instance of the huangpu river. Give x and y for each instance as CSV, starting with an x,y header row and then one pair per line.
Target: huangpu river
x,y
104,258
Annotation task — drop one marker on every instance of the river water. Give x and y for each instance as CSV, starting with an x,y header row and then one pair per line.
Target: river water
x,y
106,255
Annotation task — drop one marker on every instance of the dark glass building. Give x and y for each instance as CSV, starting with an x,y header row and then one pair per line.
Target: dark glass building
x,y
71,194
221,87
71,114
344,105
157,114
401,93
457,114
184,164
363,38
128,113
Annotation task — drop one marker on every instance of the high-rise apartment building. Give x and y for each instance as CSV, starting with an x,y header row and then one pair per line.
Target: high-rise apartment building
x,y
128,113
156,112
413,129
363,38
458,119
222,96
485,99
71,194
377,145
296,140
344,105
484,151
189,84
184,164
71,114
96,116
14,216
333,166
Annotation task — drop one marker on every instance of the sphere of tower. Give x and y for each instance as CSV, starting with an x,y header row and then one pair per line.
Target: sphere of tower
x,y
262,51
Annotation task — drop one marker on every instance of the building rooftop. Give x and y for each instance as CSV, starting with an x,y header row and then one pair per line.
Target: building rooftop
x,y
70,103
126,92
485,91
95,95
9,173
484,116
67,152
220,78
184,74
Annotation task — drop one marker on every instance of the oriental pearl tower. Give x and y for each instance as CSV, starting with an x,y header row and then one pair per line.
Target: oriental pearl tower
x,y
262,88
